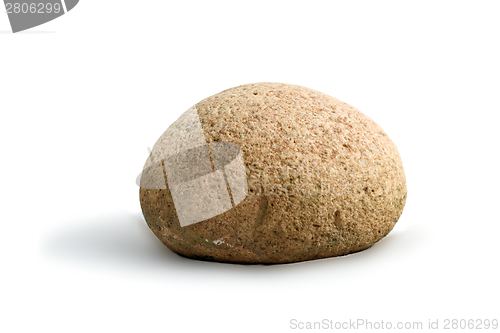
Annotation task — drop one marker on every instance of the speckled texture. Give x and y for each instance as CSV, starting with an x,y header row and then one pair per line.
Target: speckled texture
x,y
323,180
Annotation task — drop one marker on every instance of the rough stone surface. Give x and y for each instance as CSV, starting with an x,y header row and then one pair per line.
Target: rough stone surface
x,y
323,179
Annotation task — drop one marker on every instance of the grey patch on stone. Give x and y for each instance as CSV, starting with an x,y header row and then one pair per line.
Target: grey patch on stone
x,y
200,199
182,159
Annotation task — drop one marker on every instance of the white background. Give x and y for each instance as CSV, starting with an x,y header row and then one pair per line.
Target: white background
x,y
83,96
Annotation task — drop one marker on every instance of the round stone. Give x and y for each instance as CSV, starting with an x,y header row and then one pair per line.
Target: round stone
x,y
272,173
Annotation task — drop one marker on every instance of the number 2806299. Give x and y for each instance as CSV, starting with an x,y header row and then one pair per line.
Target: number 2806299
x,y
32,8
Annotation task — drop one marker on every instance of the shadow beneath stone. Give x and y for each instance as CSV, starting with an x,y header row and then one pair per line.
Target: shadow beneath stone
x,y
125,240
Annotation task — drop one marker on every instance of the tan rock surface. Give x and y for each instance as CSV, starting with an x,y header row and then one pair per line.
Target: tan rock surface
x,y
322,179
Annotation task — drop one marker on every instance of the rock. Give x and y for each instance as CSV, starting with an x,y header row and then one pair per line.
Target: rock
x,y
272,173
